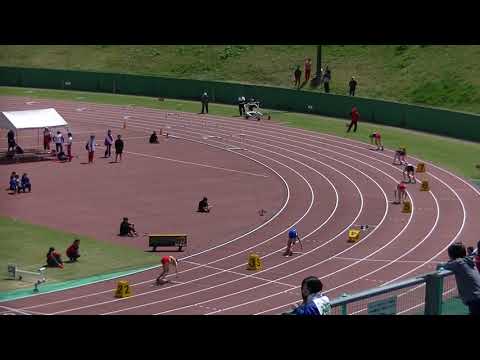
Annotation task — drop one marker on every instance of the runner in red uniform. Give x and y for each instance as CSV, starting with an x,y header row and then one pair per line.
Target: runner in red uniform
x,y
400,193
166,262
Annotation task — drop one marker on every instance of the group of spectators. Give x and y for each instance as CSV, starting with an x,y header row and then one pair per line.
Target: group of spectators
x,y
18,184
324,77
91,146
54,258
59,140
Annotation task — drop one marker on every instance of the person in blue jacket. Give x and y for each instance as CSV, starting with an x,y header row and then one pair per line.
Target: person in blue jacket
x,y
314,302
292,239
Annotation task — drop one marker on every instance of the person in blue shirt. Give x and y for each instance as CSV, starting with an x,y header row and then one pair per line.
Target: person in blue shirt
x,y
292,239
13,182
25,183
314,302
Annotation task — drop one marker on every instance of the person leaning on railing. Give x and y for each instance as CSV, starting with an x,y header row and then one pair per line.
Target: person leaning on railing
x,y
466,276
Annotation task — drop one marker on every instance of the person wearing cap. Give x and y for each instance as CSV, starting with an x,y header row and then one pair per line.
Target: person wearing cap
x,y
166,262
292,239
352,85
204,100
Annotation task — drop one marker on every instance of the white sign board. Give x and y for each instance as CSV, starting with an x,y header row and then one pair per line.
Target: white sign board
x,y
383,307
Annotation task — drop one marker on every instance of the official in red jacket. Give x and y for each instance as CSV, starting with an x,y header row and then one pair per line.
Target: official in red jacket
x,y
355,115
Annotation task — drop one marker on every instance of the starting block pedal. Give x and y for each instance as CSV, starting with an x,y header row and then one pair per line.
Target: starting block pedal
x,y
425,186
421,168
407,207
123,289
353,235
254,262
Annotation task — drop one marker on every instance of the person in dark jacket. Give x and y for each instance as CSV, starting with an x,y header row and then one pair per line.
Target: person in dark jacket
x,y
314,302
298,76
241,105
127,229
54,259
153,138
73,251
204,100
203,206
11,140
327,77
466,276
118,148
108,144
352,85
25,184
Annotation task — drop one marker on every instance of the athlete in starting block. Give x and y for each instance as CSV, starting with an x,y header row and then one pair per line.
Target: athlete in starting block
x,y
166,262
292,239
401,156
400,193
409,173
378,140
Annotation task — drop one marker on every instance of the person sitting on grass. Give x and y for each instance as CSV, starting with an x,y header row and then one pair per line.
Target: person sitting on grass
x,y
13,183
314,302
153,138
73,252
203,206
466,276
127,229
25,184
54,259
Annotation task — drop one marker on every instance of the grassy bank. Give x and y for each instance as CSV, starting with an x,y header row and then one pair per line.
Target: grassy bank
x,y
26,246
438,75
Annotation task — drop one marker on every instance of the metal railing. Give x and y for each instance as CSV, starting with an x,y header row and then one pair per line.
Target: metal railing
x,y
424,294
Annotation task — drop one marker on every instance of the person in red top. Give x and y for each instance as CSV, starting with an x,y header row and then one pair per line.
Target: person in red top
x,y
166,262
400,193
47,139
378,140
308,69
54,259
73,251
355,115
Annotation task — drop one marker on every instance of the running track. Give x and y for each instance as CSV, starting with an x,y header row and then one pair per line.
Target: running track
x,y
331,184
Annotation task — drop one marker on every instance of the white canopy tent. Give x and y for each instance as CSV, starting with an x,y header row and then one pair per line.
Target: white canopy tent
x,y
31,119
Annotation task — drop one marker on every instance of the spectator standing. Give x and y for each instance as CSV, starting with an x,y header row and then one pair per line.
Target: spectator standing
x,y
327,77
11,140
69,146
59,140
108,144
118,148
91,146
352,85
308,69
355,116
298,76
47,139
241,105
314,302
204,100
73,251
466,276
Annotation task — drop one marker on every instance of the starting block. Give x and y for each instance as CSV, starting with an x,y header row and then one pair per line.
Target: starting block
x,y
407,207
353,235
425,186
421,168
123,289
254,262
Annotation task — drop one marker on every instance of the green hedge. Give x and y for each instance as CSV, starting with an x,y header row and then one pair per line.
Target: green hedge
x,y
442,122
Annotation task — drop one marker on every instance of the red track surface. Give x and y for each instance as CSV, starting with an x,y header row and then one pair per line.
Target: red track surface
x,y
321,183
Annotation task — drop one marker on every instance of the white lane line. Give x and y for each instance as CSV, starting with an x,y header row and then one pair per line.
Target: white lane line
x,y
383,261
